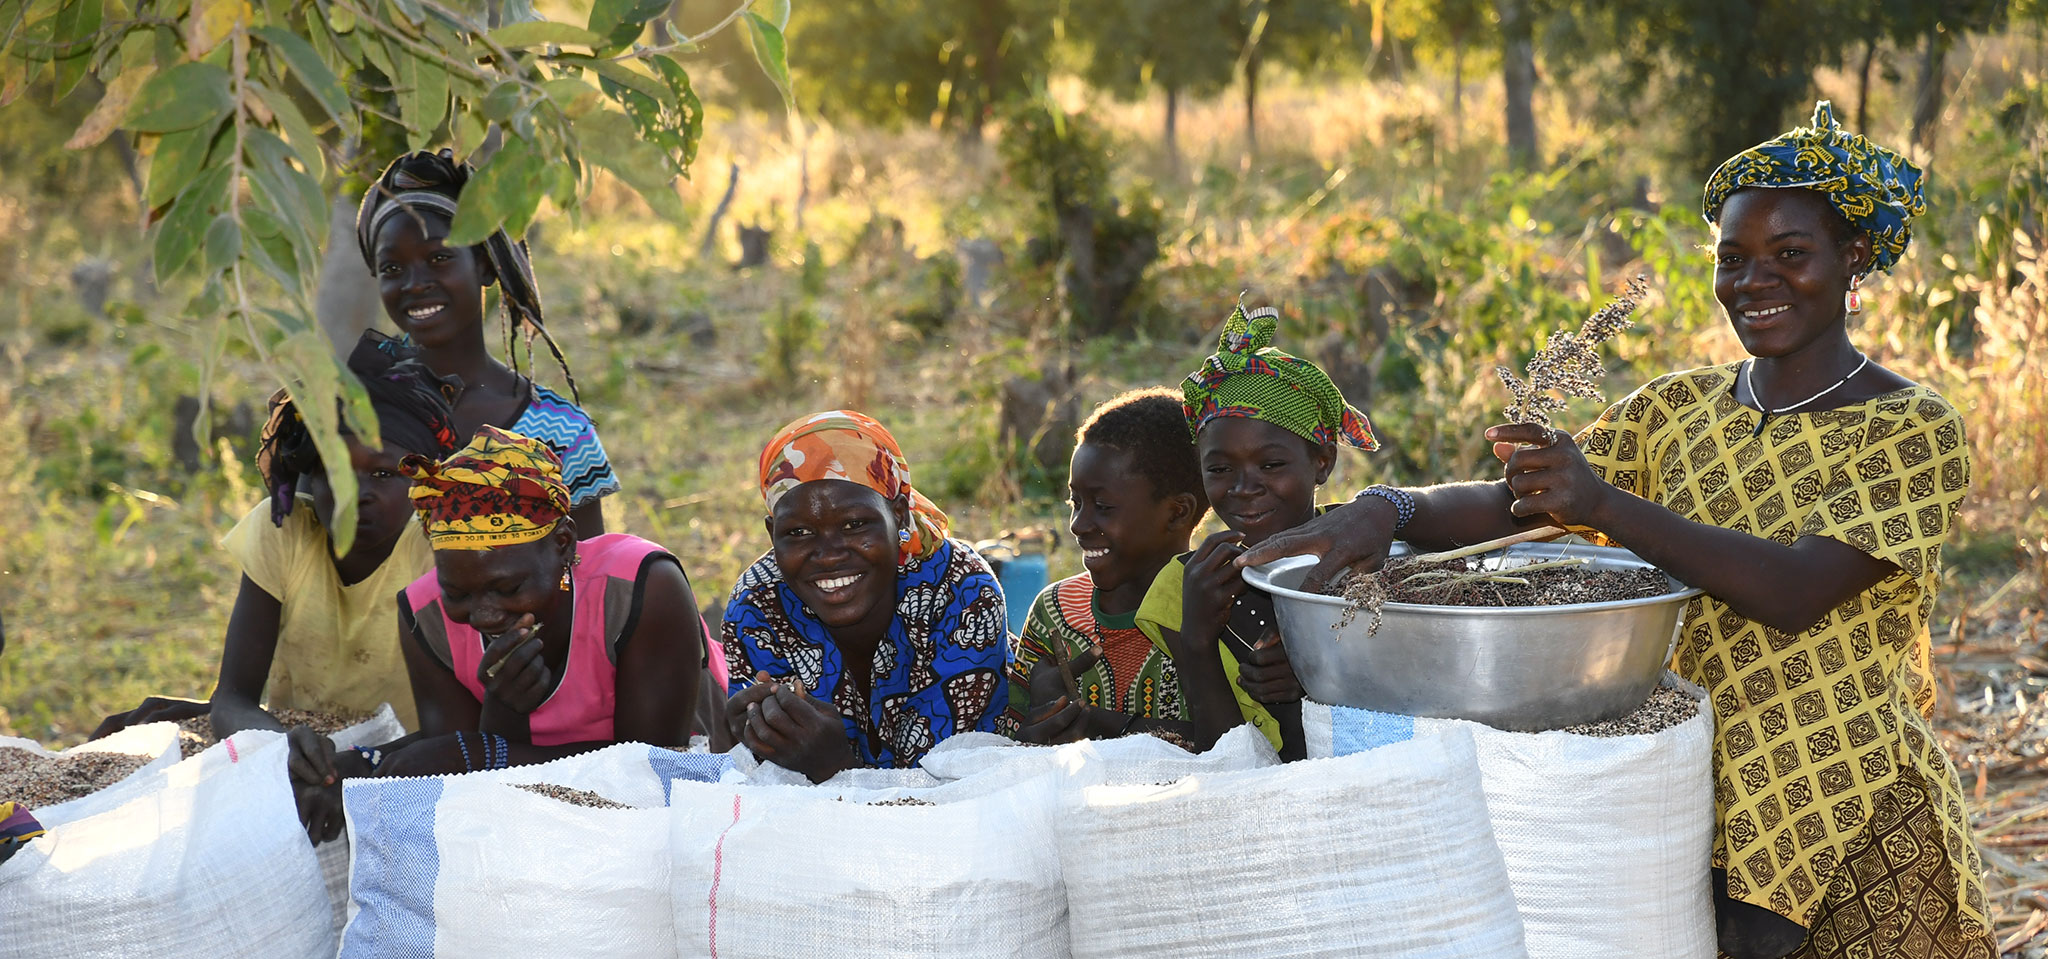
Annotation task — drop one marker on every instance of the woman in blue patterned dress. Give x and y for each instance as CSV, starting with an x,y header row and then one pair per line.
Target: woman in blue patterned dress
x,y
866,635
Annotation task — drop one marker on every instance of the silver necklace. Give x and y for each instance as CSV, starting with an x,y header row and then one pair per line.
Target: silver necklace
x,y
1764,413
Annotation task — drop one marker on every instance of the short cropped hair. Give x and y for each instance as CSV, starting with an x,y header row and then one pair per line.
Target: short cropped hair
x,y
1151,425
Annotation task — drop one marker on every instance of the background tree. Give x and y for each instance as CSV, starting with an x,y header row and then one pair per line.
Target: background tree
x,y
1297,33
946,62
248,113
1180,47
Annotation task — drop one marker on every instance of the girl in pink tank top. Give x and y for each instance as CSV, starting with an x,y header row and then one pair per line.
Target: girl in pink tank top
x,y
524,645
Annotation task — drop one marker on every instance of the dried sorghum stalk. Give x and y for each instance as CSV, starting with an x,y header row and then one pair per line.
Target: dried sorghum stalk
x,y
1567,365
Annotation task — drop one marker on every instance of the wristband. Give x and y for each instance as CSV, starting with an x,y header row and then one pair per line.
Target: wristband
x,y
463,742
371,755
1404,504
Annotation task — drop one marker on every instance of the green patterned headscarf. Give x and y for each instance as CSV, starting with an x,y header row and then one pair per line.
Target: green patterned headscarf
x,y
1876,190
1247,377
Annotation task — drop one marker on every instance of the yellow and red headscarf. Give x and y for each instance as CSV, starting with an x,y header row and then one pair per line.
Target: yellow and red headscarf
x,y
502,489
850,446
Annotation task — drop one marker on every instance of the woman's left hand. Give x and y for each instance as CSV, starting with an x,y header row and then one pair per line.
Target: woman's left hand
x,y
512,671
1548,474
316,771
435,756
1264,672
797,732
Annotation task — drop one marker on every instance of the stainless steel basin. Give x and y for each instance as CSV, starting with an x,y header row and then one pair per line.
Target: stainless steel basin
x,y
1528,668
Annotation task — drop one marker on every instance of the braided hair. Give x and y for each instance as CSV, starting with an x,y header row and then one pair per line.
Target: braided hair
x,y
432,182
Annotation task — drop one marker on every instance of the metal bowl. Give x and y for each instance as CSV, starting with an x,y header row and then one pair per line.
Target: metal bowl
x,y
1525,668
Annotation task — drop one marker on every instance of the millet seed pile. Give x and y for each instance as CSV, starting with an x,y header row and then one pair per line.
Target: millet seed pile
x,y
37,781
574,797
196,734
1666,707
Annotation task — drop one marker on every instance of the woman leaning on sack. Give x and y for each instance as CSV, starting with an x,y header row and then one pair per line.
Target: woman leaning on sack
x,y
1808,491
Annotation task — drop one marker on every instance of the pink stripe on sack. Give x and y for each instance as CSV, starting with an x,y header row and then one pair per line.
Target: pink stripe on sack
x,y
718,867
233,756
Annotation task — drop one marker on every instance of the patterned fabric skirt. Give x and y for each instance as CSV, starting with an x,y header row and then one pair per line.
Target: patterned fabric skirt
x,y
1894,895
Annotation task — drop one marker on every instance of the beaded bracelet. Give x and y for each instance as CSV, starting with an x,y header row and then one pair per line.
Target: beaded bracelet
x,y
371,755
1404,504
462,742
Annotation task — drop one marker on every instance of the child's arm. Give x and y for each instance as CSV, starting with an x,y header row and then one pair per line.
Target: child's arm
x,y
245,662
1209,585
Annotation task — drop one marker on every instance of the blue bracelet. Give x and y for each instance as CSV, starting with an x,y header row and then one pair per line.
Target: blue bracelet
x,y
371,755
463,742
1404,504
500,751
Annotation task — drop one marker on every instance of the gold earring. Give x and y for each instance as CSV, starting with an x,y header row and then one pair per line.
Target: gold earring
x,y
565,577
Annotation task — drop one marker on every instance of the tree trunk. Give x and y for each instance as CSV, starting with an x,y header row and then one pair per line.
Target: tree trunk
x,y
1251,104
346,302
709,247
1927,104
1457,89
1863,85
1173,132
1518,76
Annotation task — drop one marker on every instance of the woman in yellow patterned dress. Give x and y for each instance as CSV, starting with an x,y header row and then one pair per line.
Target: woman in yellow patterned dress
x,y
1808,491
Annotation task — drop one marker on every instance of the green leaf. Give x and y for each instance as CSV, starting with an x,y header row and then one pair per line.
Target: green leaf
x,y
209,23
183,97
223,243
536,33
609,15
777,12
573,97
621,74
772,52
179,234
313,74
304,143
430,96
340,19
76,21
506,185
611,140
101,120
502,102
410,9
179,157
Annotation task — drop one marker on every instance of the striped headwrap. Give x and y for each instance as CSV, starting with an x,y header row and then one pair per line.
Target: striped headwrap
x,y
502,489
415,412
850,446
1248,377
425,182
1876,190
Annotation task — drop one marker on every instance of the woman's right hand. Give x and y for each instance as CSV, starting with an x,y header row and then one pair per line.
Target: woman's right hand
x,y
1355,535
781,724
1210,584
512,671
155,709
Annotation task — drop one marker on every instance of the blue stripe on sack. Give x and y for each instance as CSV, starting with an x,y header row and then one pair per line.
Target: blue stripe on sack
x,y
1357,730
692,767
396,863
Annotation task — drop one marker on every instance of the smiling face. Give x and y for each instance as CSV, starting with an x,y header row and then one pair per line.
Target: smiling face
x,y
382,505
1261,479
1782,263
1126,530
433,292
836,544
489,589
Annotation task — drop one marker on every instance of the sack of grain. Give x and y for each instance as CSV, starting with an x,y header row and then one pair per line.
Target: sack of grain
x,y
476,864
766,872
381,727
206,859
1383,854
89,778
1607,838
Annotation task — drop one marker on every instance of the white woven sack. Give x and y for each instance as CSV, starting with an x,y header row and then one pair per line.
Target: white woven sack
x,y
382,727
769,872
1382,854
972,765
159,741
469,865
208,861
1607,840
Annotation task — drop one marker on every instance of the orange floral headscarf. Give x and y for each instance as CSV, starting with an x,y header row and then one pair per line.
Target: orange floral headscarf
x,y
502,489
850,446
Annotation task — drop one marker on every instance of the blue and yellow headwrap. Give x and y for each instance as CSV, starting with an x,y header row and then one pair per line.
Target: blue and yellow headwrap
x,y
1875,189
1247,377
